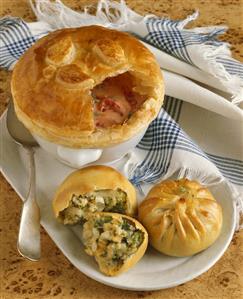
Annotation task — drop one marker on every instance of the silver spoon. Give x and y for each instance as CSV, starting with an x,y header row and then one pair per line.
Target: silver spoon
x,y
29,230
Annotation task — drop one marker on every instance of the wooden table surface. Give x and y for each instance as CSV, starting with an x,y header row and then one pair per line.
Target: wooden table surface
x,y
53,276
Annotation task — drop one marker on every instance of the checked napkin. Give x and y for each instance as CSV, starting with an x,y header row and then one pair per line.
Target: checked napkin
x,y
199,132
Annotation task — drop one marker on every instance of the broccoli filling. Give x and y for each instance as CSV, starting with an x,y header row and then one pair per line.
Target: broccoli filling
x,y
111,240
101,200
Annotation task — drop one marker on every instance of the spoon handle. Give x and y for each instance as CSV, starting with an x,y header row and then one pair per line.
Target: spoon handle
x,y
29,229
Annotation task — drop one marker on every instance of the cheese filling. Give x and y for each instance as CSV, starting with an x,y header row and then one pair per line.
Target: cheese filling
x,y
112,241
101,200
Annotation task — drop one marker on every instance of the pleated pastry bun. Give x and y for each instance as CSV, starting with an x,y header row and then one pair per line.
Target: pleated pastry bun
x,y
182,217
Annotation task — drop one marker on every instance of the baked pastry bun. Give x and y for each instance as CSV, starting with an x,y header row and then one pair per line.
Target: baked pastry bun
x,y
93,189
116,241
87,87
181,217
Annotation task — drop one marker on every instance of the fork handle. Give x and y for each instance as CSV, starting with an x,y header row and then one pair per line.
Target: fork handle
x,y
29,229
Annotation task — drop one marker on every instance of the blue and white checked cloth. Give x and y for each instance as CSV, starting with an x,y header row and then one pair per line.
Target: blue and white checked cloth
x,y
213,152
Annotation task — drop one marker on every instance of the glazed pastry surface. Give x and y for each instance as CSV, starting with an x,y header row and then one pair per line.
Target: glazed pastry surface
x,y
87,87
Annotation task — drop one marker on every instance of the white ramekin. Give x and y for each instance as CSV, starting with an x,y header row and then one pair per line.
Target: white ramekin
x,y
77,158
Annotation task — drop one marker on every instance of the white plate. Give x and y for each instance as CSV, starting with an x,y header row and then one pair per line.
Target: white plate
x,y
154,271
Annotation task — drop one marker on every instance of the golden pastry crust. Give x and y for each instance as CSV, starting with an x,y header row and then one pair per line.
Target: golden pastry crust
x,y
133,258
90,179
61,52
109,51
51,85
72,76
182,217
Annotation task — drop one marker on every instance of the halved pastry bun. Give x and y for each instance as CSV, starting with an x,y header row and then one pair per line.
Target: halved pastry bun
x,y
59,73
182,217
116,241
92,189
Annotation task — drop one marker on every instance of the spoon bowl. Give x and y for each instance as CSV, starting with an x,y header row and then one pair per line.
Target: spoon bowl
x,y
17,130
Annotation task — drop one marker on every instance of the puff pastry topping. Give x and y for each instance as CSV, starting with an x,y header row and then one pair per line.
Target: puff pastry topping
x,y
87,87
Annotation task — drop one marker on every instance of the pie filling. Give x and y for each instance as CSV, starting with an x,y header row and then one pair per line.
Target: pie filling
x,y
111,240
101,200
115,101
